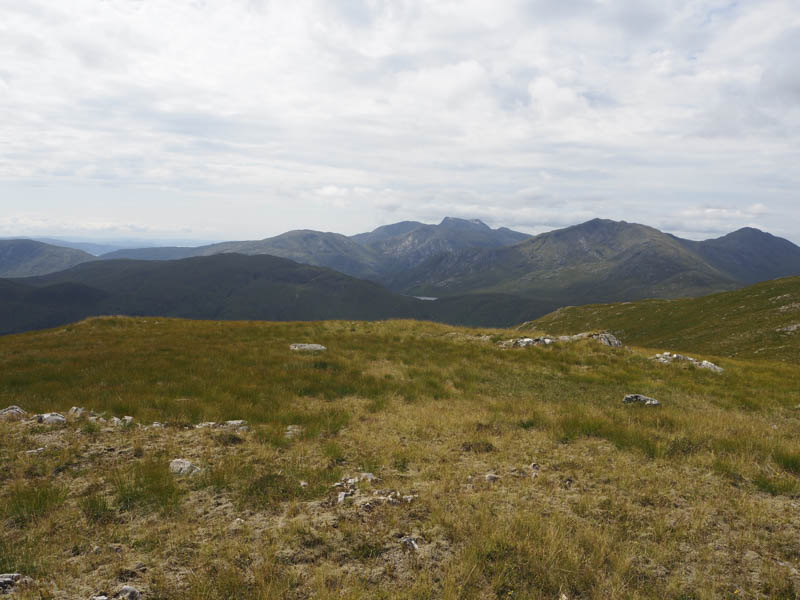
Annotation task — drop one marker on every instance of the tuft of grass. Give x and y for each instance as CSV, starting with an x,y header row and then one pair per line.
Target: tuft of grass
x,y
27,502
478,446
788,461
96,509
776,486
147,485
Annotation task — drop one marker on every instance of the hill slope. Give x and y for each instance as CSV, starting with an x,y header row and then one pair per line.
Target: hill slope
x,y
762,320
231,286
411,460
24,258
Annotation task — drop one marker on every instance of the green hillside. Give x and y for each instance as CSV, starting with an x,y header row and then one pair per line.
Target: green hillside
x,y
762,321
493,473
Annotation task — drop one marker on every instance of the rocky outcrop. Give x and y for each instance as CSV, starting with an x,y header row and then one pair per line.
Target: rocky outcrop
x,y
640,399
51,419
605,338
669,357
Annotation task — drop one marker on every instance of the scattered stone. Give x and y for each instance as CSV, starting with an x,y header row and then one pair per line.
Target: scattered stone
x,y
410,542
206,425
76,412
491,477
667,358
789,328
367,477
128,592
303,484
51,419
37,451
8,581
293,431
100,597
116,421
344,495
157,425
12,413
307,347
237,424
640,399
181,466
126,421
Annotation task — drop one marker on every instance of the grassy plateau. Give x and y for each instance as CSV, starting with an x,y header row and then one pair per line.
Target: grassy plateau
x,y
698,498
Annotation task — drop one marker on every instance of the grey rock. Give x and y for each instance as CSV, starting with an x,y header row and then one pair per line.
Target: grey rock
x,y
128,592
36,451
367,477
8,581
307,347
491,477
667,358
76,412
127,421
12,413
608,339
237,424
100,597
293,431
640,399
410,542
181,466
604,338
51,419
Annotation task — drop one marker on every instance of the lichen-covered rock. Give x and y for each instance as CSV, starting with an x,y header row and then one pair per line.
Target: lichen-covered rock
x,y
51,419
640,399
181,466
12,413
128,592
307,347
667,358
76,412
8,581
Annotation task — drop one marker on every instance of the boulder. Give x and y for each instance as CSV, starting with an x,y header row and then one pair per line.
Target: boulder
x,y
8,581
293,431
640,399
128,592
12,413
307,347
51,419
181,466
667,358
76,412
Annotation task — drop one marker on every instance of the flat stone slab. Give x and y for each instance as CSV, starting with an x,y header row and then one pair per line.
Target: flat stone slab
x,y
307,348
640,399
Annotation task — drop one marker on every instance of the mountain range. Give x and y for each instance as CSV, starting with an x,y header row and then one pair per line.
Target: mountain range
x,y
478,275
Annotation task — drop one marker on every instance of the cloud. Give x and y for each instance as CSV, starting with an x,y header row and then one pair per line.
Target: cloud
x,y
527,113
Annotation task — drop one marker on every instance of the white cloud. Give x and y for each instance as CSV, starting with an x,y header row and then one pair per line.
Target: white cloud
x,y
265,116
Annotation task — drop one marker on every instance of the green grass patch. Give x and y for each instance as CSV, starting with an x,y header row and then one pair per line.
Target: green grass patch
x,y
28,502
147,485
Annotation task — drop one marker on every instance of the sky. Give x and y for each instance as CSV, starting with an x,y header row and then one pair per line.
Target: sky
x,y
193,119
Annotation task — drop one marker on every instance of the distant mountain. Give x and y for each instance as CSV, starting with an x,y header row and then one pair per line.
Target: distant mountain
x,y
232,286
605,261
375,255
23,258
407,244
750,255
